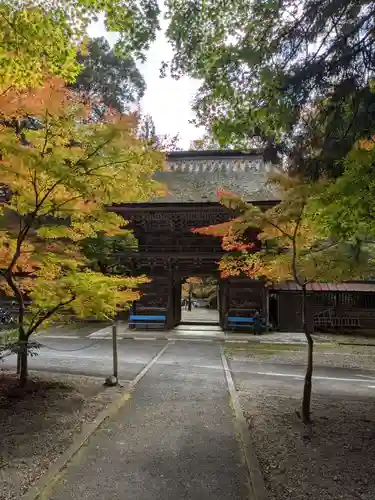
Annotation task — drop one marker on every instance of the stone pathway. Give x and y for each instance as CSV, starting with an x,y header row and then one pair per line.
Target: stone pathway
x,y
175,438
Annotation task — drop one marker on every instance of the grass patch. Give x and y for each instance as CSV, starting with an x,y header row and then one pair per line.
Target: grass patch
x,y
270,349
255,346
261,349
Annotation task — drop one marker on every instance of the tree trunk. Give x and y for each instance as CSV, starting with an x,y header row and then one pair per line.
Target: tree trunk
x,y
24,371
22,356
307,388
189,299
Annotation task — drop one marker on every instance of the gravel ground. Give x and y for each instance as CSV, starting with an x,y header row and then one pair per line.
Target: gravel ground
x,y
362,357
333,461
39,423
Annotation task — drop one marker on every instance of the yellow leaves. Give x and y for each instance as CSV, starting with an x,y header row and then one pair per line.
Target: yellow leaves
x,y
245,264
62,176
71,165
8,246
34,41
90,294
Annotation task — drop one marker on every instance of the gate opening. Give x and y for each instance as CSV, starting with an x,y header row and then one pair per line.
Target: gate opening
x,y
199,300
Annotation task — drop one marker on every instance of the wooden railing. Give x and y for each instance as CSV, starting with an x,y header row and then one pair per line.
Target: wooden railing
x,y
329,319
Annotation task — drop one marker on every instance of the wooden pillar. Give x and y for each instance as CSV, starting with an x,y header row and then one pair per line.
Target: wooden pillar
x,y
177,300
223,302
266,305
133,309
171,298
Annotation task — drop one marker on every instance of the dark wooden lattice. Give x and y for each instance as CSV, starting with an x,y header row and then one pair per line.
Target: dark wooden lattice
x,y
169,251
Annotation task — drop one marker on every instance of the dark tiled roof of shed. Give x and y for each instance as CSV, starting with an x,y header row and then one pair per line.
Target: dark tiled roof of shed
x,y
327,287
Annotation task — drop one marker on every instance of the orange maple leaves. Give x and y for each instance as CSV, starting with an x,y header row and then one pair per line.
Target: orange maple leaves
x,y
53,96
231,241
240,266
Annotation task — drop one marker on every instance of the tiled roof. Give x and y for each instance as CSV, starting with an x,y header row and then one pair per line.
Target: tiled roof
x,y
327,287
195,176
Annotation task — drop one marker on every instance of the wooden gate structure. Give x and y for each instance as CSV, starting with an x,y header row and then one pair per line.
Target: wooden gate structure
x,y
168,251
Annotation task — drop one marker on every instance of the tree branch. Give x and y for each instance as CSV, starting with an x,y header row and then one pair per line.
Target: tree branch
x,y
294,247
48,314
18,294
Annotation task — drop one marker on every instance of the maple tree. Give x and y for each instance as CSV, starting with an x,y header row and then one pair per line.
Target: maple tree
x,y
39,37
147,132
294,247
59,179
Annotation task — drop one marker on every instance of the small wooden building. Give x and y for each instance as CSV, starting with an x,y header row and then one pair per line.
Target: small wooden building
x,y
348,306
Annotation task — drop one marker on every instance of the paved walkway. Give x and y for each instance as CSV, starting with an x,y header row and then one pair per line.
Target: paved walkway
x,y
200,315
173,439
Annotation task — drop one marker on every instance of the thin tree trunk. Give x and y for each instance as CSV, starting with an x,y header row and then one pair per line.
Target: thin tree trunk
x,y
307,388
24,369
22,356
189,299
18,363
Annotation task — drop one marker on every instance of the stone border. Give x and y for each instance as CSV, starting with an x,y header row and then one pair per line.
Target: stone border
x,y
256,481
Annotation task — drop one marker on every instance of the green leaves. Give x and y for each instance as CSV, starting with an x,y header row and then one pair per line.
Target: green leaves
x,y
347,209
83,294
111,81
42,38
272,75
32,44
104,252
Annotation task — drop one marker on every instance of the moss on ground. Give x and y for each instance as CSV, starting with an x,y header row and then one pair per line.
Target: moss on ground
x,y
270,349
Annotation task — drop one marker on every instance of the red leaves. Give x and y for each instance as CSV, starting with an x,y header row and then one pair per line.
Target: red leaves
x,y
232,242
222,193
218,230
53,96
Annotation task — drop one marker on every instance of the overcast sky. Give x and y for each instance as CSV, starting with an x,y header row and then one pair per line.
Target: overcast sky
x,y
166,100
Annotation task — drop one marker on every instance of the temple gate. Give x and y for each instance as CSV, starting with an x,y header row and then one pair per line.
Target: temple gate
x,y
168,251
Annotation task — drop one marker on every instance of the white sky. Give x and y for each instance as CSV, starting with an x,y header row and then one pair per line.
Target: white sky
x,y
166,100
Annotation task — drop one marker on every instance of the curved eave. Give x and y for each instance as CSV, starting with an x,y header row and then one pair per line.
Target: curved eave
x,y
179,206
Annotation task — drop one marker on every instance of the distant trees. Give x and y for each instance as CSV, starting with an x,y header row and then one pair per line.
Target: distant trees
x,y
147,132
104,252
111,81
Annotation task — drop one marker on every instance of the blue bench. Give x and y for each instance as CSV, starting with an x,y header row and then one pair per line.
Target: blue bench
x,y
147,320
251,322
